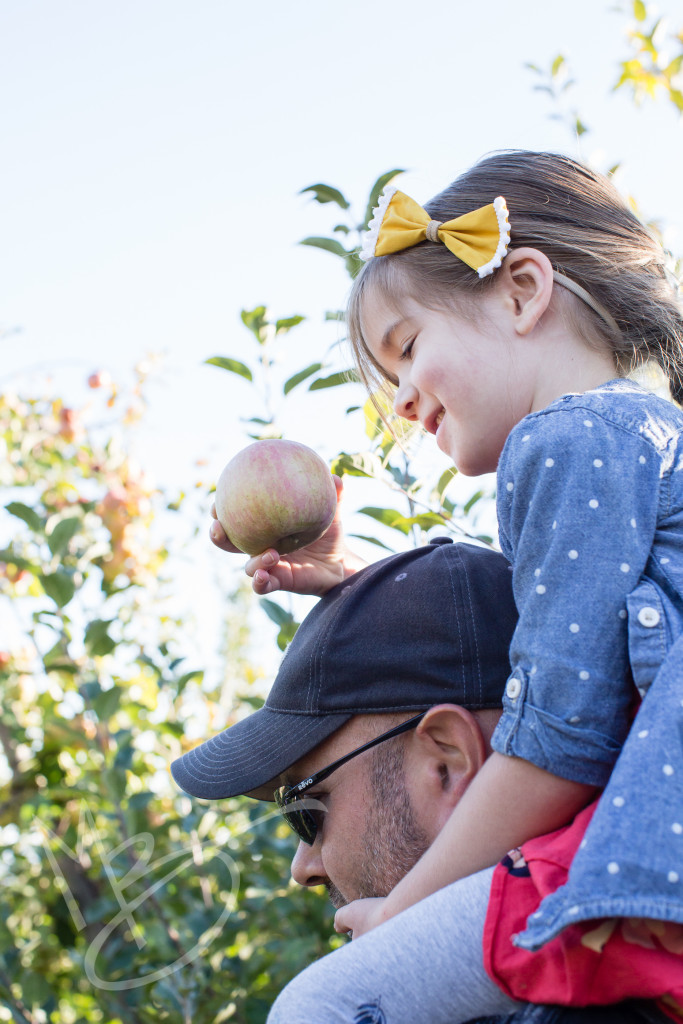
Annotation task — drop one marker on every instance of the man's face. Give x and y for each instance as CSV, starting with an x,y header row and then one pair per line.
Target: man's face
x,y
371,833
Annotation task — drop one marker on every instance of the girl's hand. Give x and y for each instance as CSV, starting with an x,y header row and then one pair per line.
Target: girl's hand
x,y
311,570
360,917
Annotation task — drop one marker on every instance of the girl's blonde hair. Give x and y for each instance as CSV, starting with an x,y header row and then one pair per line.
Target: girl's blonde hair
x,y
580,221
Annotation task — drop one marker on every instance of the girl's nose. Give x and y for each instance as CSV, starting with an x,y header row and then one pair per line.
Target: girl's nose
x,y
405,401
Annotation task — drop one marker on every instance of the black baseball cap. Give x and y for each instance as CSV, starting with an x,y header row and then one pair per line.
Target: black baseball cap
x,y
427,626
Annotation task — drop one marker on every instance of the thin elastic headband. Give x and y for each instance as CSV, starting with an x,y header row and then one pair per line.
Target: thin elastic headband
x,y
581,293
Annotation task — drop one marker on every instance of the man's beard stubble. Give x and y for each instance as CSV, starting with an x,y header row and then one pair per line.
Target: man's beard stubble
x,y
393,841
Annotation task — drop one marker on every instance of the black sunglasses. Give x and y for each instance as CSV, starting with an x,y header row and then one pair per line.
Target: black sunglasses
x,y
304,815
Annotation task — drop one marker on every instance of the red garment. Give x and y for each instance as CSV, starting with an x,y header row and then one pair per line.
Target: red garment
x,y
591,963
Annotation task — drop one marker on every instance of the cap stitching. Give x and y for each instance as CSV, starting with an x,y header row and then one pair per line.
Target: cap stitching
x,y
320,649
455,605
201,769
474,630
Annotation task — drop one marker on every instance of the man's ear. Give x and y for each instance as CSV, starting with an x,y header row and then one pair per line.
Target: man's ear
x,y
525,282
451,748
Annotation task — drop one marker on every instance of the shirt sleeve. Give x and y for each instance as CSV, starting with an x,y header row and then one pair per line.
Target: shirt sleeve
x,y
577,507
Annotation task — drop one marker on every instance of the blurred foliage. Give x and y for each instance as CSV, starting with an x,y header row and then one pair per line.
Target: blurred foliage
x,y
122,901
655,69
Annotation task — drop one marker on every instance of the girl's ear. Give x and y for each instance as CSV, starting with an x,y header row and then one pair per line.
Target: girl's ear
x,y
525,281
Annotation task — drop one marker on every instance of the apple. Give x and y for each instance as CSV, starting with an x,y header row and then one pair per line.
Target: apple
x,y
275,494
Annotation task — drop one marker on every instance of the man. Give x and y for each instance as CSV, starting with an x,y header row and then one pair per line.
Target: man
x,y
380,716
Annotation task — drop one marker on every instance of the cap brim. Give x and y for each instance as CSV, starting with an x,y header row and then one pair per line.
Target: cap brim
x,y
252,753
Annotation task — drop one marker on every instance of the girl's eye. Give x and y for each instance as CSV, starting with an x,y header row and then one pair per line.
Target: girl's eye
x,y
407,350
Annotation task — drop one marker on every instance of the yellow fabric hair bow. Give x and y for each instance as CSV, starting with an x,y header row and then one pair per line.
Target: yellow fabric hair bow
x,y
480,239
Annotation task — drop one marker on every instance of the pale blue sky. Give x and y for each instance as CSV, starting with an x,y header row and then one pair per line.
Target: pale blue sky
x,y
153,152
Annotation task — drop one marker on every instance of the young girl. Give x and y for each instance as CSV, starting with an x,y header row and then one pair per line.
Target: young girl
x,y
504,317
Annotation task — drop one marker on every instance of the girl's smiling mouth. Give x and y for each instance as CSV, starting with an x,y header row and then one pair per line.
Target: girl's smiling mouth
x,y
432,423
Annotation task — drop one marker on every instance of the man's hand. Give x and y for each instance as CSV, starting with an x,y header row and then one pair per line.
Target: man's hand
x,y
311,570
361,916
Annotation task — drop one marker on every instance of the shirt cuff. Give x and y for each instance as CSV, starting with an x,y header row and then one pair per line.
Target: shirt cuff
x,y
568,750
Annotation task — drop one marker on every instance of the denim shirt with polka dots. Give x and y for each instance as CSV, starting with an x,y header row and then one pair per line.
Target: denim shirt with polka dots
x,y
590,509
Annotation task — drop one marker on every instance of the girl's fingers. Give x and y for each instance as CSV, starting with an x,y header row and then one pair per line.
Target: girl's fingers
x,y
220,539
263,583
266,560
339,922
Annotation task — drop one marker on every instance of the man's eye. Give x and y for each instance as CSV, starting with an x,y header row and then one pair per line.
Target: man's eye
x,y
319,818
319,811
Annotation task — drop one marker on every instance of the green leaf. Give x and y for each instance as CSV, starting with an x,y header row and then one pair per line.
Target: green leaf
x,y
26,514
282,326
185,679
232,365
97,639
328,244
372,540
107,703
357,464
557,64
115,783
275,612
375,193
469,505
676,97
58,659
639,10
8,555
425,520
256,321
59,586
353,263
126,750
287,633
302,375
284,619
388,517
90,691
62,533
326,194
34,989
444,482
342,377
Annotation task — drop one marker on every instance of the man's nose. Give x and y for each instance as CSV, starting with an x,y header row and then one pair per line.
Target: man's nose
x,y
405,401
307,865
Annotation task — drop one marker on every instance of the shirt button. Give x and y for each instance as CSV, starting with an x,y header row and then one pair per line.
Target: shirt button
x,y
648,617
513,688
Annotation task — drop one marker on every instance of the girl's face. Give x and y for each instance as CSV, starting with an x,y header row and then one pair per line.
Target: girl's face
x,y
467,385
